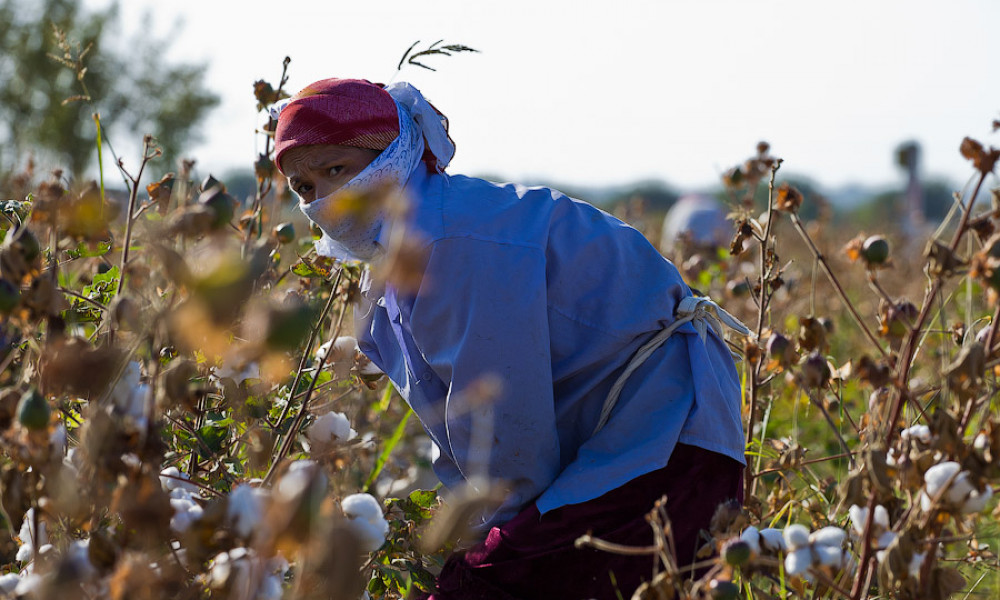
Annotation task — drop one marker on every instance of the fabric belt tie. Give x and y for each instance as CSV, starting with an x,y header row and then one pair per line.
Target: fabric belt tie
x,y
702,313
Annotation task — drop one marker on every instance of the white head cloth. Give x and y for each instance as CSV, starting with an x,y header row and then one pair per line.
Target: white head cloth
x,y
344,237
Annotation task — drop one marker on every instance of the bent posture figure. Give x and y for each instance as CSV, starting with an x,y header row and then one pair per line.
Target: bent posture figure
x,y
610,391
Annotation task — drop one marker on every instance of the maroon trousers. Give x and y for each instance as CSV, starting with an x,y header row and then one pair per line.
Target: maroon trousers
x,y
533,556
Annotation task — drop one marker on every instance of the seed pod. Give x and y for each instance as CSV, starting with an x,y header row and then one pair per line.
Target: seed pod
x,y
721,589
10,296
222,205
33,410
780,349
875,250
815,370
736,552
285,233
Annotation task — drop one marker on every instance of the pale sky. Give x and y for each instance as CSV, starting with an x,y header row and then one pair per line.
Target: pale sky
x,y
596,93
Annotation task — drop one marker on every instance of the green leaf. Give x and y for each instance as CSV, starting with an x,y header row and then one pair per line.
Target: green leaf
x,y
83,250
376,587
424,498
305,268
390,445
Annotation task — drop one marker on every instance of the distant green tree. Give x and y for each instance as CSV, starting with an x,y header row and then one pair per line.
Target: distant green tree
x,y
130,85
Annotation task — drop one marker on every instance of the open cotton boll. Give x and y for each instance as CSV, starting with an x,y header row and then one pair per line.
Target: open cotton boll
x,y
773,540
8,582
798,561
364,514
937,476
121,395
829,536
344,348
751,535
30,538
917,432
363,506
296,479
170,479
329,428
977,500
186,512
796,536
245,508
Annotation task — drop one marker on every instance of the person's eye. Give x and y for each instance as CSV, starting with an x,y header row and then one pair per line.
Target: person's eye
x,y
302,189
334,171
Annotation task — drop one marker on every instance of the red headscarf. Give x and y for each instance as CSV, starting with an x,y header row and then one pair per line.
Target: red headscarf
x,y
343,112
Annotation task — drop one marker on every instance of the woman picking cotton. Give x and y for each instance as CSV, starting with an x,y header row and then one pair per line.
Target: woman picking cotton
x,y
610,385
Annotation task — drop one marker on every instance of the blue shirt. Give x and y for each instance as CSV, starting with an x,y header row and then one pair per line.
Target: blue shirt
x,y
551,297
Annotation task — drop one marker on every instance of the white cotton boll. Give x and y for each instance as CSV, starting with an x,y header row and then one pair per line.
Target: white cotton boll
x,y
829,536
752,537
296,479
368,369
246,508
221,568
981,443
917,432
344,348
30,539
890,457
829,556
370,536
798,561
961,488
170,479
796,536
915,562
270,588
885,539
57,439
977,500
232,369
329,428
937,476
121,395
186,512
858,514
773,540
29,585
363,506
925,501
365,517
881,516
8,582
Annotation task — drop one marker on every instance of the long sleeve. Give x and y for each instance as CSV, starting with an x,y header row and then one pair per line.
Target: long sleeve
x,y
481,313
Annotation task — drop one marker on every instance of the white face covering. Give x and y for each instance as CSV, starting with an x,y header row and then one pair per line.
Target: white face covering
x,y
351,237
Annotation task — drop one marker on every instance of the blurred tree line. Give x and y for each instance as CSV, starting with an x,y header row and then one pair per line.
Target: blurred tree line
x,y
130,85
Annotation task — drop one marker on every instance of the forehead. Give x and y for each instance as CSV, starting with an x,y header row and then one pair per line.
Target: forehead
x,y
298,160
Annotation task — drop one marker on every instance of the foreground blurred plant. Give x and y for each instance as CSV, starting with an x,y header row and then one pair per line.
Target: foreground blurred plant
x,y
169,431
